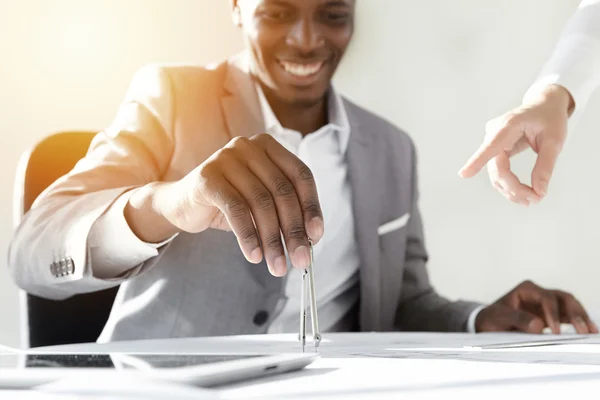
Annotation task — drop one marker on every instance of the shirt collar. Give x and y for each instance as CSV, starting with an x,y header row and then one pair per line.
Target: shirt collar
x,y
337,117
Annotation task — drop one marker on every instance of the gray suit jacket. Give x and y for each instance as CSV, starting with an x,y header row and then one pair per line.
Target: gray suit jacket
x,y
174,117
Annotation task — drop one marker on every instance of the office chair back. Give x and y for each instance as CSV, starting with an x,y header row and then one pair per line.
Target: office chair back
x,y
81,318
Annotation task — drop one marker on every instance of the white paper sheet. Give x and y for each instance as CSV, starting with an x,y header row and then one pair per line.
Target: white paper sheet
x,y
386,365
404,378
333,344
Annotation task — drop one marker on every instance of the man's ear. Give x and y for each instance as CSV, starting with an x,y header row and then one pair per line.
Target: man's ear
x,y
235,13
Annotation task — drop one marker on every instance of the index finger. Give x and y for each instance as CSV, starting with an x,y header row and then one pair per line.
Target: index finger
x,y
534,299
502,136
303,180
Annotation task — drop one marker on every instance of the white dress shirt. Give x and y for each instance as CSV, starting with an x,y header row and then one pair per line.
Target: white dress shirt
x,y
575,62
336,258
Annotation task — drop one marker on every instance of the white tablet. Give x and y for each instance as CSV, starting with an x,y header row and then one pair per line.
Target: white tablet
x,y
24,371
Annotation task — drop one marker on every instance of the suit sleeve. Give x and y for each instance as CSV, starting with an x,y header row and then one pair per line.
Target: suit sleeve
x,y
420,307
575,60
50,254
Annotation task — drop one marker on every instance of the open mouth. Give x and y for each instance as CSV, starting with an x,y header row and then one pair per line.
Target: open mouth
x,y
302,70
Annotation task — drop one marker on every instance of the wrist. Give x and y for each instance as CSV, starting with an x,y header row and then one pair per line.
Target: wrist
x,y
145,213
554,96
159,197
146,198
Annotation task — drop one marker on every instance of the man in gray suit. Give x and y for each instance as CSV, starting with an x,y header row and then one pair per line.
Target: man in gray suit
x,y
184,193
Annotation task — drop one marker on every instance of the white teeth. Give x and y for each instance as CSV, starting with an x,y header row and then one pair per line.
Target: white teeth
x,y
302,69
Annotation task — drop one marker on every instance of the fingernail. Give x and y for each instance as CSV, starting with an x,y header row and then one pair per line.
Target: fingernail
x,y
279,266
315,228
301,257
255,256
555,328
533,200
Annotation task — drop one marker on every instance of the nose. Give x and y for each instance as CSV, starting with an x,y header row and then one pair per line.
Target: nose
x,y
305,35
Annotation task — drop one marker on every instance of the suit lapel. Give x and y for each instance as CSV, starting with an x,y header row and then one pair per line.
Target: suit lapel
x,y
240,105
364,165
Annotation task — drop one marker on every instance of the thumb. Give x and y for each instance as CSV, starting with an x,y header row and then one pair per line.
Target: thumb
x,y
544,166
502,135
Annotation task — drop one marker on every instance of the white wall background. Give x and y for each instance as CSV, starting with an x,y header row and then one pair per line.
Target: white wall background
x,y
437,68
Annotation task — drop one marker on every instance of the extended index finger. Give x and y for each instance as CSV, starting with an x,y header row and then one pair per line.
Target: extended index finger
x,y
501,135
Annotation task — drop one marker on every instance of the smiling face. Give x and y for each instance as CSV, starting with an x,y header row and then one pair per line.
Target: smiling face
x,y
295,45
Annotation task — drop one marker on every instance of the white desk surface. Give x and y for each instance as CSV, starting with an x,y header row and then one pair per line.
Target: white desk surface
x,y
397,365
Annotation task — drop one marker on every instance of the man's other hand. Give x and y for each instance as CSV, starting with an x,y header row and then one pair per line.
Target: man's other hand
x,y
530,308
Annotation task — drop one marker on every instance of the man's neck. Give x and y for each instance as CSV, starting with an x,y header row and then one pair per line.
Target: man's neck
x,y
305,120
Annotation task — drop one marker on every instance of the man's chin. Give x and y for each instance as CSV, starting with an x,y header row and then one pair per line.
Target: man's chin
x,y
307,102
305,98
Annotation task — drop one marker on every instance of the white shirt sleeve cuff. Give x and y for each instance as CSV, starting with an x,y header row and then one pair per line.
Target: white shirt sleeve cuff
x,y
114,247
574,66
472,317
